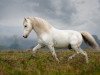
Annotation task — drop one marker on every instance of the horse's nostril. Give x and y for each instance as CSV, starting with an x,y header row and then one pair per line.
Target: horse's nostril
x,y
25,36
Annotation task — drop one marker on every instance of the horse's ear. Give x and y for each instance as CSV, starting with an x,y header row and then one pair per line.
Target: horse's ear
x,y
25,19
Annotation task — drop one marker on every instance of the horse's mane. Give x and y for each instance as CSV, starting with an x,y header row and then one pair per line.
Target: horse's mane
x,y
40,23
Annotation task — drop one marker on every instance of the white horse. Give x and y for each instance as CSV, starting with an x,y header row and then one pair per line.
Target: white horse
x,y
52,37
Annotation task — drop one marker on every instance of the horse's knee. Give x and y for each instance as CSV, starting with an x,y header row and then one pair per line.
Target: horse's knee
x,y
53,53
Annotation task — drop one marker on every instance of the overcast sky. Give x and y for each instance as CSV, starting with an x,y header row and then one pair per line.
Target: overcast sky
x,y
80,15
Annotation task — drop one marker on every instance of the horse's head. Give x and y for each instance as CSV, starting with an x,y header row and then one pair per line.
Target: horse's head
x,y
27,27
39,25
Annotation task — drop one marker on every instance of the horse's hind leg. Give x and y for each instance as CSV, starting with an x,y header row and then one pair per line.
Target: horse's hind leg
x,y
79,50
72,56
85,54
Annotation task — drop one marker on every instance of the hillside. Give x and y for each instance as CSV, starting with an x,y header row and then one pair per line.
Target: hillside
x,y
16,42
24,63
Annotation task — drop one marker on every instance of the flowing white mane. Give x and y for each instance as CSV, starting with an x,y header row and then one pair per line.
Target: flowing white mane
x,y
40,21
40,25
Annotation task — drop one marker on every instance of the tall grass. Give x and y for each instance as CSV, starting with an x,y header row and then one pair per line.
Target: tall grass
x,y
24,63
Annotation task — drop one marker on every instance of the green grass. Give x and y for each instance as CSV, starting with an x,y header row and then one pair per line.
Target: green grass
x,y
24,63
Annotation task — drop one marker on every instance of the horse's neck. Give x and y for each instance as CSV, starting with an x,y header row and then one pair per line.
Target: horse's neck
x,y
42,27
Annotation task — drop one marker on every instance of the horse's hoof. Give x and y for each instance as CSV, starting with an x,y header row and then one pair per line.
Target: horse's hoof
x,y
70,58
58,61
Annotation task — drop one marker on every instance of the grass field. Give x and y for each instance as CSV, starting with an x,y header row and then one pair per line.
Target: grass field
x,y
23,63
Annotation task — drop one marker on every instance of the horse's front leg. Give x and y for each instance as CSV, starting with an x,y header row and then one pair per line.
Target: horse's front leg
x,y
36,48
53,52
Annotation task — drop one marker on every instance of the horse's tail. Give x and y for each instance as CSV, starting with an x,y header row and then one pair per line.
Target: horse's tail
x,y
88,38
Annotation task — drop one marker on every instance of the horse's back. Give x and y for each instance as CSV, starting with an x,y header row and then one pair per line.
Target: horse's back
x,y
63,38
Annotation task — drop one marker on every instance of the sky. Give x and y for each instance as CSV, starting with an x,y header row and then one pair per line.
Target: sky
x,y
80,15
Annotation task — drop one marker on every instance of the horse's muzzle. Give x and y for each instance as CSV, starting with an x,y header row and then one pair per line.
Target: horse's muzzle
x,y
25,36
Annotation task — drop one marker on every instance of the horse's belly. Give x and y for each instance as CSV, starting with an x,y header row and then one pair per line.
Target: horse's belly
x,y
60,43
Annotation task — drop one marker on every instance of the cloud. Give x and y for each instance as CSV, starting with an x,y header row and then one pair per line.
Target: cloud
x,y
44,8
63,14
87,16
86,10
